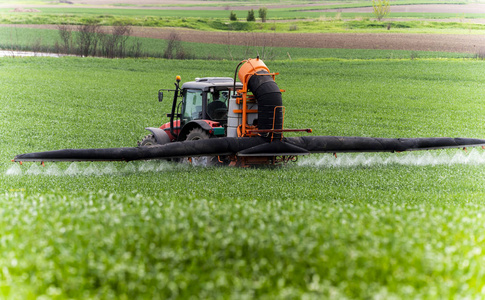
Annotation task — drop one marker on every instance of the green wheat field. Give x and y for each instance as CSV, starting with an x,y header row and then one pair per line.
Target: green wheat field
x,y
376,226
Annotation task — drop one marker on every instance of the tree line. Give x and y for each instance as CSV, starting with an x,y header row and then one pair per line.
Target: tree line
x,y
262,12
91,39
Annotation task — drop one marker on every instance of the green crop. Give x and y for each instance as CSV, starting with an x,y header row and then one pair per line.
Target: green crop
x,y
370,226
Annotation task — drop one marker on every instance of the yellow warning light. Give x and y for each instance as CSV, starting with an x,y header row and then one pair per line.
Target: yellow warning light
x,y
178,78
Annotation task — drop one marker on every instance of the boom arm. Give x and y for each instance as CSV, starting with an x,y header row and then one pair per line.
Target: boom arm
x,y
256,146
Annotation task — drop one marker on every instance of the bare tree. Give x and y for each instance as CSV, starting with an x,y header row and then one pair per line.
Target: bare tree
x,y
13,43
87,38
172,43
229,44
261,44
65,32
37,45
266,43
174,48
122,33
136,49
114,44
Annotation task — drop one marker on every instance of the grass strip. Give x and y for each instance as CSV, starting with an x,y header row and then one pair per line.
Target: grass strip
x,y
201,19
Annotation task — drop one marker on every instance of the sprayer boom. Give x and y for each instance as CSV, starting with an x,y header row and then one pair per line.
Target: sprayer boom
x,y
254,147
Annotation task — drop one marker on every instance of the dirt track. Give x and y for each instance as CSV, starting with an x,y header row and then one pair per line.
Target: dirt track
x,y
389,41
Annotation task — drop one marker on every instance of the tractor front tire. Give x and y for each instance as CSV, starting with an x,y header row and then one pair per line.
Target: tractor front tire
x,y
197,134
148,140
206,161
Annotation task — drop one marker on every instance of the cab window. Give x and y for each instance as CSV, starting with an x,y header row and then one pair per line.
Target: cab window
x,y
193,105
222,95
217,105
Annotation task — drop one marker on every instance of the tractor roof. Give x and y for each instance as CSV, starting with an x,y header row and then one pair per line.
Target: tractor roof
x,y
207,82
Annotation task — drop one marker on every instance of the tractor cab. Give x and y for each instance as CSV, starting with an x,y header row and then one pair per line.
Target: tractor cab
x,y
198,106
206,99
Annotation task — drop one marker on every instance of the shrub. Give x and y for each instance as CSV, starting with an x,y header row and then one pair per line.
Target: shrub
x,y
263,11
250,17
381,8
232,26
232,16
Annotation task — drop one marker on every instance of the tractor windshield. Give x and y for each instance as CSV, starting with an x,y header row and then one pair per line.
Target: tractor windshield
x,y
192,109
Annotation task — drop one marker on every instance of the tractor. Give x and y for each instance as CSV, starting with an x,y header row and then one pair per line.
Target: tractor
x,y
199,111
212,107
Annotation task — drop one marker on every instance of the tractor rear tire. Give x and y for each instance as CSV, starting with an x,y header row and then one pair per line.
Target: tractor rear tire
x,y
206,161
148,140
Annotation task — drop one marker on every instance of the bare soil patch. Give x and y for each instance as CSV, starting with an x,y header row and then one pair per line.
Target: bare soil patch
x,y
388,41
467,43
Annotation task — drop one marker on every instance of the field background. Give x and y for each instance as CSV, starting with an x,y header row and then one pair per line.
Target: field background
x,y
356,226
291,28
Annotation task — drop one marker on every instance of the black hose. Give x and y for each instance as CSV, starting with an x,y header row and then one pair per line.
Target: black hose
x,y
235,75
268,95
255,146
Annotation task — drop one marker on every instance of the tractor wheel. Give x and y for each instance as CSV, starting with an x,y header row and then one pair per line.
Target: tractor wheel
x,y
199,134
148,140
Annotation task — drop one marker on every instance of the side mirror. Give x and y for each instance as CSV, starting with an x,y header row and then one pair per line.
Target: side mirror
x,y
160,96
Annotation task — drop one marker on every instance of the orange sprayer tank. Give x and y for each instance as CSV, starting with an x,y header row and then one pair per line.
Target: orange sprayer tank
x,y
250,67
